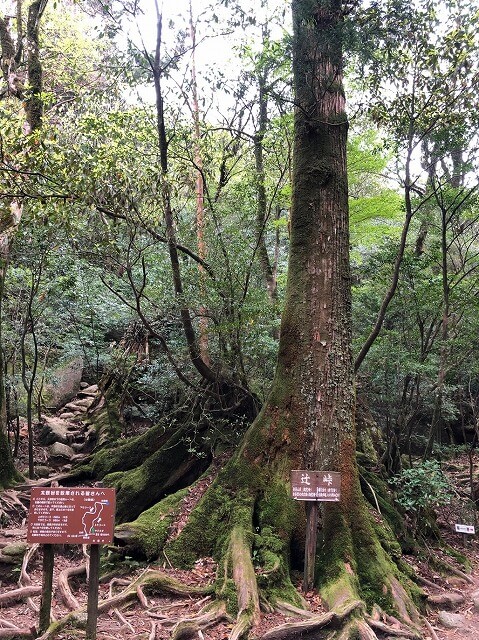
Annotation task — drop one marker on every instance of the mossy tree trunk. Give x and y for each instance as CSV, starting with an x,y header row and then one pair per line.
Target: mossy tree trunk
x,y
308,420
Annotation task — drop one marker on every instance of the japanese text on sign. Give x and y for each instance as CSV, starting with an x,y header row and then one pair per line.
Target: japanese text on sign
x,y
465,528
81,515
323,486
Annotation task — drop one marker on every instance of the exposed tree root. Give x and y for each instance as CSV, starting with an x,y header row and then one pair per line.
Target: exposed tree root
x,y
17,633
154,581
64,587
19,594
392,631
314,626
11,503
346,623
290,610
24,580
243,574
123,620
452,569
428,625
446,600
210,615
401,600
142,598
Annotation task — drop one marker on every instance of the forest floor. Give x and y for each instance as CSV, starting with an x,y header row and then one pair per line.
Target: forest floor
x,y
452,612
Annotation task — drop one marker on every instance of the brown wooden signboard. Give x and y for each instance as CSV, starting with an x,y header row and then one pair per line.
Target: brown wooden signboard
x,y
80,515
316,486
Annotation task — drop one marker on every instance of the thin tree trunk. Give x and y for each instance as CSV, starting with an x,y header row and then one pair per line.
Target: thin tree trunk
x,y
262,205
11,214
195,355
437,422
200,197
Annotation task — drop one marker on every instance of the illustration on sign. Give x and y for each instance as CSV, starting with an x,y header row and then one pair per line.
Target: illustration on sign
x,y
324,486
82,515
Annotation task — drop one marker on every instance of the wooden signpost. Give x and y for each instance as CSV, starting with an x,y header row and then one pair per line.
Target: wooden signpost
x,y
313,487
78,515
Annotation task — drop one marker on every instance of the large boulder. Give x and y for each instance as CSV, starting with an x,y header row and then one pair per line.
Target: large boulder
x,y
54,430
65,383
11,558
61,451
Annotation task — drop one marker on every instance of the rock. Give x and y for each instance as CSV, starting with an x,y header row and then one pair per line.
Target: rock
x,y
15,550
475,600
85,402
68,415
84,385
41,471
59,450
67,383
73,406
451,620
53,430
11,558
89,391
449,600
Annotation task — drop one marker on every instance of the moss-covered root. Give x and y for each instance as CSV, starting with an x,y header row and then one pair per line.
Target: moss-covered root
x,y
146,536
347,622
239,565
149,581
317,627
189,628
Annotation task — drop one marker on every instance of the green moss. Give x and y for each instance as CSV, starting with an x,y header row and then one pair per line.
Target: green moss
x,y
130,453
107,421
164,471
440,565
337,545
229,595
376,491
277,510
152,526
8,473
223,506
83,472
461,558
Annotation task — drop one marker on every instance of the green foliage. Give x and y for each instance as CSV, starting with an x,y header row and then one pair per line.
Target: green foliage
x,y
422,487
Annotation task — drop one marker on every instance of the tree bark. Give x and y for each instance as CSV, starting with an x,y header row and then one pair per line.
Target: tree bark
x,y
308,419
200,196
261,205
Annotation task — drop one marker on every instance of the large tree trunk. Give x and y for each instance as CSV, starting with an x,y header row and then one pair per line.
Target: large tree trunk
x,y
308,420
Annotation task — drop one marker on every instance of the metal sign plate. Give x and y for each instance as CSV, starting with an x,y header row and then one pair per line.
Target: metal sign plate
x,y
79,515
321,486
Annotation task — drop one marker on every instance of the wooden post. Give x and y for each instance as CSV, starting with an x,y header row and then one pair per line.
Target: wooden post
x,y
92,605
46,598
312,511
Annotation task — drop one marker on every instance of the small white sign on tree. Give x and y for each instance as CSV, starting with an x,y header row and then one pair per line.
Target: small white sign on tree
x,y
465,528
